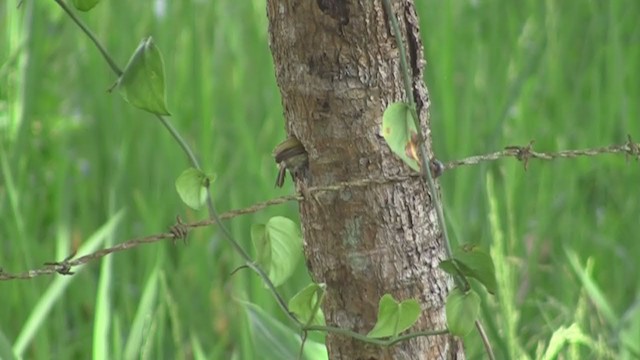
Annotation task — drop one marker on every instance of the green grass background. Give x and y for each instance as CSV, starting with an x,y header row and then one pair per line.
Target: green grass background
x,y
79,166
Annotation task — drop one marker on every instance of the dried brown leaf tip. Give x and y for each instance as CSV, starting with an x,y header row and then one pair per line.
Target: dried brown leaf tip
x,y
411,149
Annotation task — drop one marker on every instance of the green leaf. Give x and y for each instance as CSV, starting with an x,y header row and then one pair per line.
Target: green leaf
x,y
474,262
564,336
85,5
141,326
274,340
450,267
394,317
142,82
192,187
399,130
261,244
462,311
306,304
279,246
596,294
55,292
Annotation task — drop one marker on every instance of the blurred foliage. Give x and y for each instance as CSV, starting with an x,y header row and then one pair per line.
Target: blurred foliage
x,y
499,73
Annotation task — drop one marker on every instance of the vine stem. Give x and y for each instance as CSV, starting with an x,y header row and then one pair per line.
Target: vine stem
x,y
424,162
426,168
485,340
195,163
105,54
380,342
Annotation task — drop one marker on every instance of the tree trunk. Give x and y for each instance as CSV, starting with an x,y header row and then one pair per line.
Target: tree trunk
x,y
337,66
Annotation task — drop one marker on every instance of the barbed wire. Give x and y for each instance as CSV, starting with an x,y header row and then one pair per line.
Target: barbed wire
x,y
524,153
177,231
180,230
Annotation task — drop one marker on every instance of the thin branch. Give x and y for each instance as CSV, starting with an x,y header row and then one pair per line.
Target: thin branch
x,y
485,340
183,144
250,263
103,51
424,158
380,342
522,153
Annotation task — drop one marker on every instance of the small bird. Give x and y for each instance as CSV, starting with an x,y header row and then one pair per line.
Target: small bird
x,y
290,155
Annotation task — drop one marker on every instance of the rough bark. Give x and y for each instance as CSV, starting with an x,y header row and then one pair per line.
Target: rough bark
x,y
337,66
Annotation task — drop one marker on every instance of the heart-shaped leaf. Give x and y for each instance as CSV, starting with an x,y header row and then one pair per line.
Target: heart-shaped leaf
x,y
142,82
399,130
306,304
476,263
394,317
279,247
192,187
462,311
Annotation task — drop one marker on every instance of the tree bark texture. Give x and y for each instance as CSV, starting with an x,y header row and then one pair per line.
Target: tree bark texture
x,y
337,66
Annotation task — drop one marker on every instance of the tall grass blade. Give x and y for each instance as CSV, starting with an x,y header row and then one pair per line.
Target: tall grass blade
x,y
53,293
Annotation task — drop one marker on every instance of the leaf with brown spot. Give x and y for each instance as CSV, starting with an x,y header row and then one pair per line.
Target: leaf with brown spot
x,y
400,132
